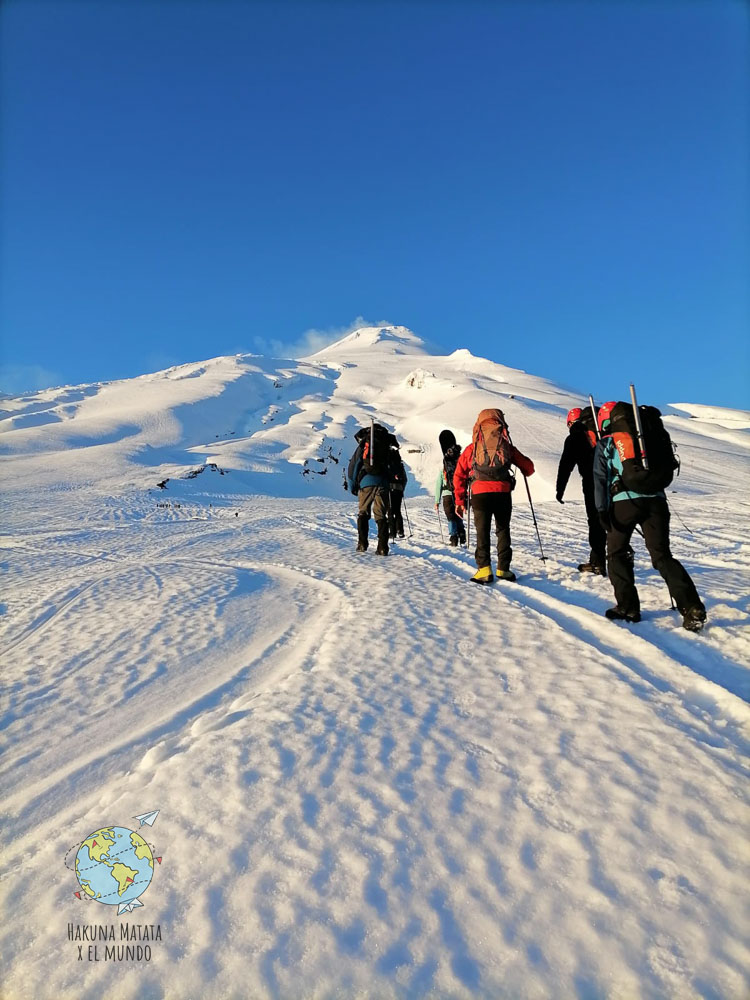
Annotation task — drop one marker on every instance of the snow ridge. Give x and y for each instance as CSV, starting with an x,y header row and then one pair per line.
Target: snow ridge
x,y
286,427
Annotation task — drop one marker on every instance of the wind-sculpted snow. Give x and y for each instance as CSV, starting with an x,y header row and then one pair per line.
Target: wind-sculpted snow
x,y
405,787
373,778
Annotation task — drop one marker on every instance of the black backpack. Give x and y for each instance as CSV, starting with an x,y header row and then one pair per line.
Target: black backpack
x,y
450,461
660,452
376,453
586,420
447,439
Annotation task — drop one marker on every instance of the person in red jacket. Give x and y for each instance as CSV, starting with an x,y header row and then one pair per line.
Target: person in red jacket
x,y
485,465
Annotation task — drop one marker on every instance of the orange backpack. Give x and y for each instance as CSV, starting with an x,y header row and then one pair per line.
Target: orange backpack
x,y
491,458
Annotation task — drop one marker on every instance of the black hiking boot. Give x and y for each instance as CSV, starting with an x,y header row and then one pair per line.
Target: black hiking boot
x,y
617,614
592,568
694,618
381,551
361,546
454,541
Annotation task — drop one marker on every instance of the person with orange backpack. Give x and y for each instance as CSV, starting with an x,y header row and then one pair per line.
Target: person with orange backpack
x,y
578,450
485,466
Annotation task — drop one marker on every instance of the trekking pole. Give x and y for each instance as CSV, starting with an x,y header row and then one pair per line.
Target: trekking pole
x,y
639,429
680,520
533,515
468,518
411,533
440,523
596,422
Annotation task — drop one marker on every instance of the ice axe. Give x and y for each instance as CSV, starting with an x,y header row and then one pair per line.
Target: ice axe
x,y
639,429
596,421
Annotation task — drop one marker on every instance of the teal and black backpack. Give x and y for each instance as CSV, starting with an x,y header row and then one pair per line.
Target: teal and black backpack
x,y
661,455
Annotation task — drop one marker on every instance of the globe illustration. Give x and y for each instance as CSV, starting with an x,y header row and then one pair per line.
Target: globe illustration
x,y
114,866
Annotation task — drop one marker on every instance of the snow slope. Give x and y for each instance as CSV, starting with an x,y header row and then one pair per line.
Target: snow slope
x,y
285,427
373,779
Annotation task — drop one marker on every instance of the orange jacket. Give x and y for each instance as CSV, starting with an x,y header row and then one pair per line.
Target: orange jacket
x,y
462,475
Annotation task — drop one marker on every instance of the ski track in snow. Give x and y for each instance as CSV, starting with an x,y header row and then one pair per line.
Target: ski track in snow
x,y
375,779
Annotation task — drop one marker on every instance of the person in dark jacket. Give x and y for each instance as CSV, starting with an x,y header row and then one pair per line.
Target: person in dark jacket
x,y
444,488
578,450
620,511
490,492
369,480
398,481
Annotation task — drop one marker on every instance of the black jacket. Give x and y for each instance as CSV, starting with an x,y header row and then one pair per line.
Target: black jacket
x,y
397,472
576,451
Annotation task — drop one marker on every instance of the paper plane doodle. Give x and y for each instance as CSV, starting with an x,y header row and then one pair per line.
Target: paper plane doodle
x,y
149,818
130,906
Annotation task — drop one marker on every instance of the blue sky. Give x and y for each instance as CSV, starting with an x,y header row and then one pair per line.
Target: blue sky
x,y
558,186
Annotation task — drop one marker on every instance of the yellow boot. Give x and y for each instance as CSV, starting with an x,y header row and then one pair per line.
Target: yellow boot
x,y
483,575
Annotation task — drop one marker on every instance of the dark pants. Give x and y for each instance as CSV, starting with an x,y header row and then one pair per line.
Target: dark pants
x,y
455,523
395,519
597,535
652,513
375,499
485,506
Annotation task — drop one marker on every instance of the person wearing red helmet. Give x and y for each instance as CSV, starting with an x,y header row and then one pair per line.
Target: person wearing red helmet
x,y
604,413
486,465
620,511
578,450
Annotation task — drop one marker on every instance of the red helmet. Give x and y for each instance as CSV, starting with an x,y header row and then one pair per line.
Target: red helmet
x,y
604,411
575,414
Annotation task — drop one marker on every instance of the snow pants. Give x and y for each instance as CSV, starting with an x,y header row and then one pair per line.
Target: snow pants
x,y
375,499
597,535
395,518
652,514
455,523
486,506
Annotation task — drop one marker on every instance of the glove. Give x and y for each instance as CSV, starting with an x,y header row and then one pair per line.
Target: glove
x,y
605,520
460,509
559,498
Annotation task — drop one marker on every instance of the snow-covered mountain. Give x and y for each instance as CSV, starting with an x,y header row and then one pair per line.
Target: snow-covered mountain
x,y
372,779
285,428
